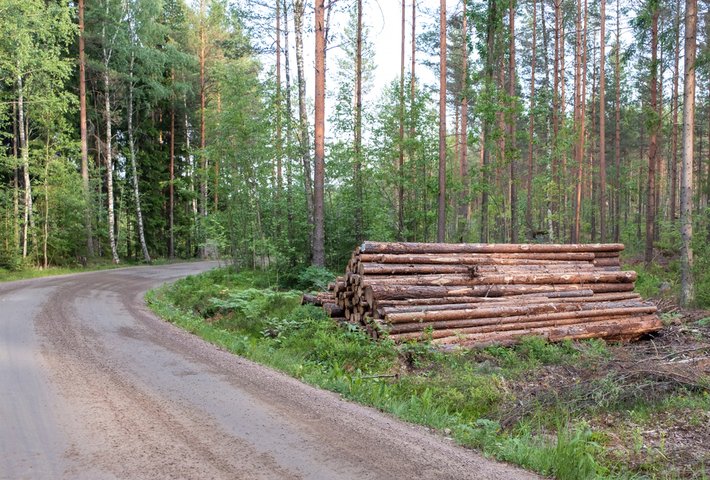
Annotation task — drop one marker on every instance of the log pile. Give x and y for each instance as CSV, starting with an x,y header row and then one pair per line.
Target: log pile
x,y
481,294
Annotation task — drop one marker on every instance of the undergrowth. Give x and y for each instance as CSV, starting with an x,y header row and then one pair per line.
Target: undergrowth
x,y
465,394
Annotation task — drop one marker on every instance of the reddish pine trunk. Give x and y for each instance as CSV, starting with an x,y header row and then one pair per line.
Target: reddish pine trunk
x,y
319,174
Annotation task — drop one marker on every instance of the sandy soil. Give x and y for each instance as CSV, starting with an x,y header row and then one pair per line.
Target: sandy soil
x,y
94,386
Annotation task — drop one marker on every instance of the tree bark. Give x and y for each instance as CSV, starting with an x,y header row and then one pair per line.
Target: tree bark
x,y
319,174
652,143
674,114
441,214
687,293
203,141
171,214
617,128
25,155
84,135
511,129
531,128
359,227
400,161
134,170
109,162
602,124
298,8
464,211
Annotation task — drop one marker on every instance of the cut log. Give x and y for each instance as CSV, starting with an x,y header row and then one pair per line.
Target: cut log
x,y
409,248
509,311
404,292
483,258
519,299
503,279
624,328
548,320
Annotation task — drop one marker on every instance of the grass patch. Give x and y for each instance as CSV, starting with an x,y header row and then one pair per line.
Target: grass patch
x,y
538,405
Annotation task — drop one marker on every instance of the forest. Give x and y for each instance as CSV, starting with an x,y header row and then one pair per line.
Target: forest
x,y
143,129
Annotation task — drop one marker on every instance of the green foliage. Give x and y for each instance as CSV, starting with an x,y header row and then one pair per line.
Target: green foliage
x,y
314,279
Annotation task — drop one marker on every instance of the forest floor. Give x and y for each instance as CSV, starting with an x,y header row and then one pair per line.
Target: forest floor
x,y
571,410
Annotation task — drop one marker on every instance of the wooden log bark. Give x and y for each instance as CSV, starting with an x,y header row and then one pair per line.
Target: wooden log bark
x,y
333,310
553,320
480,258
513,300
410,248
493,279
624,328
366,269
443,319
375,293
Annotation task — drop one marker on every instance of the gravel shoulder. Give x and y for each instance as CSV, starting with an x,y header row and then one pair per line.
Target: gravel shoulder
x,y
101,388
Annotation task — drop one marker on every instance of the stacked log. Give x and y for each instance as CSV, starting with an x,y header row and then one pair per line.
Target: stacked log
x,y
479,294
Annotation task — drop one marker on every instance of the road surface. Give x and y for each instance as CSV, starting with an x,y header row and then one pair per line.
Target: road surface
x,y
93,386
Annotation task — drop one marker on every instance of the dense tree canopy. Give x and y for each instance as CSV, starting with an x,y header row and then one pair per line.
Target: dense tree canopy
x,y
565,121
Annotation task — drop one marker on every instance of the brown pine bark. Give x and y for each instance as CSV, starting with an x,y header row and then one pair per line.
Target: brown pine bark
x,y
464,211
617,128
673,194
84,135
687,293
602,124
400,159
279,113
579,119
359,227
319,127
298,10
203,140
555,170
171,214
441,214
652,143
531,127
511,129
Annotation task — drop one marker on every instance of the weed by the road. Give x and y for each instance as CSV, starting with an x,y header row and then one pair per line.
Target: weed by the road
x,y
563,410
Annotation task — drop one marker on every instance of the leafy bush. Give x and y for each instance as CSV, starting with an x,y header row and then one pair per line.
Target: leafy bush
x,y
314,278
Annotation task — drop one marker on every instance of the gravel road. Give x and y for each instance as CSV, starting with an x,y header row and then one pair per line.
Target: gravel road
x,y
96,387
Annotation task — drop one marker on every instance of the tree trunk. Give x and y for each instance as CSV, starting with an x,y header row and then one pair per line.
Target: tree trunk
x,y
511,129
400,161
289,163
617,128
602,124
464,210
171,214
687,293
84,137
555,169
279,120
531,128
298,8
109,162
673,193
652,143
203,141
134,170
359,201
25,155
441,214
319,174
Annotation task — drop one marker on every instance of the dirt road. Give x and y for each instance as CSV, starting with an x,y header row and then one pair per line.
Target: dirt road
x,y
93,386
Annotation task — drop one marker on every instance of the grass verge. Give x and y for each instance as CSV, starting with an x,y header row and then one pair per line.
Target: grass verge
x,y
563,410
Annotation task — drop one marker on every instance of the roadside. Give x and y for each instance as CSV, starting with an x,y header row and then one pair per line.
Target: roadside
x,y
571,410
